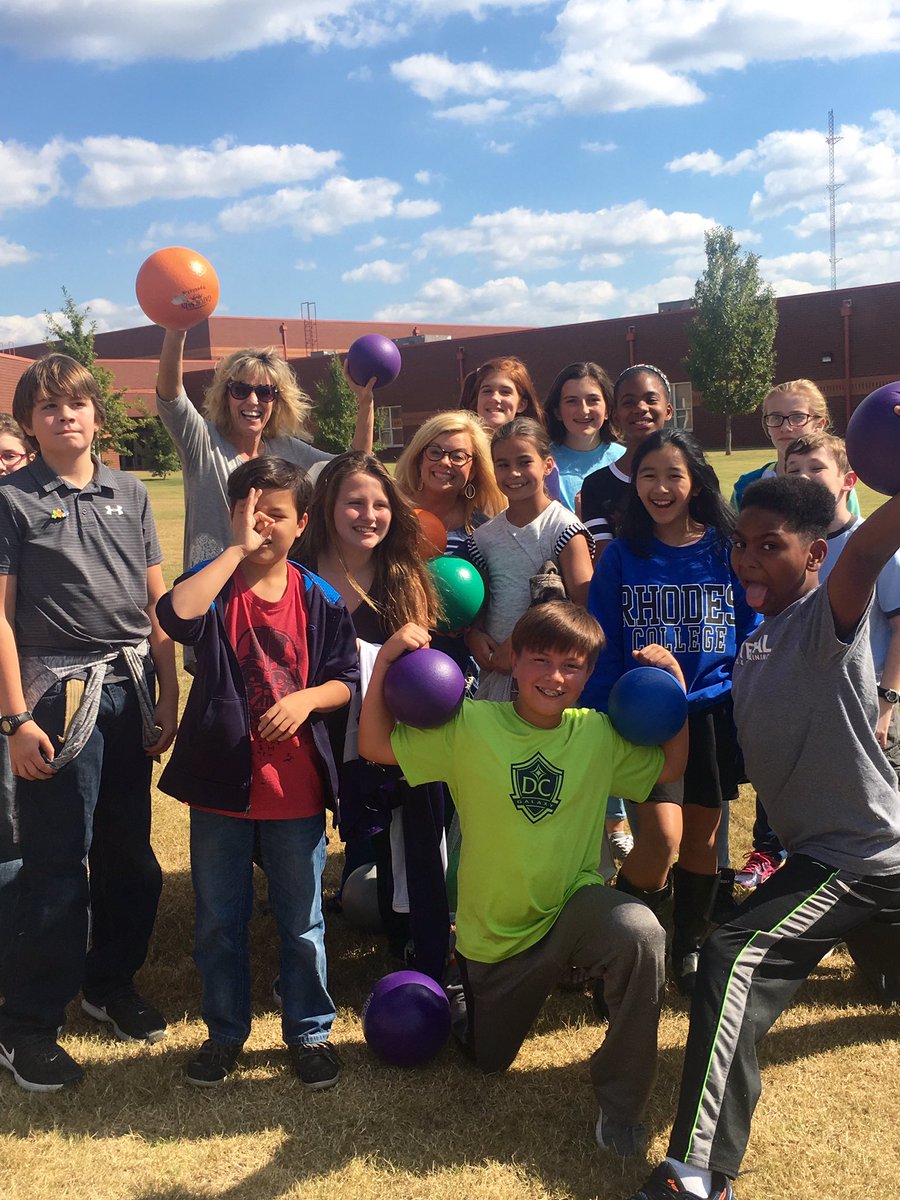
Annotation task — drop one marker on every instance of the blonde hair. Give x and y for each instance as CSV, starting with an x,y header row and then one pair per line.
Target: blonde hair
x,y
487,496
807,390
829,442
290,408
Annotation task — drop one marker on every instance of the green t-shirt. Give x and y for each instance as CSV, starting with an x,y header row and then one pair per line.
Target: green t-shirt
x,y
532,805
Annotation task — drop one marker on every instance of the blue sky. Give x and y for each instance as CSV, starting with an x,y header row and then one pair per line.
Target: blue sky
x,y
445,160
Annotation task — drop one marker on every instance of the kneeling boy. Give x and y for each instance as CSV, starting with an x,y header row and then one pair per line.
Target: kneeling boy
x,y
530,780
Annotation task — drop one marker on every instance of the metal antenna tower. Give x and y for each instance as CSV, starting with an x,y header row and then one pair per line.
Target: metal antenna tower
x,y
832,191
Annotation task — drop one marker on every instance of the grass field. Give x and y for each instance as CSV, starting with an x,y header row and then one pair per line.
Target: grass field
x,y
135,1131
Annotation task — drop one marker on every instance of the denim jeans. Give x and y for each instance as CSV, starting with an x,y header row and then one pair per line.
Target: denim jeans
x,y
94,813
293,856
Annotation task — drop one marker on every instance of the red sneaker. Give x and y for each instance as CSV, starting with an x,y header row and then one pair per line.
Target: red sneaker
x,y
757,869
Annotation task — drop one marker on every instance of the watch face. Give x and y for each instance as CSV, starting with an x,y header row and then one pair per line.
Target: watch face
x,y
6,725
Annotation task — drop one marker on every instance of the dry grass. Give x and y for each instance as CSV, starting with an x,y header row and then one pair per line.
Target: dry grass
x,y
135,1131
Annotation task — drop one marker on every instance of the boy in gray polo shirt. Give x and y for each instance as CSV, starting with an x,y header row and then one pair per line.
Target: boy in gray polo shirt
x,y
79,581
805,706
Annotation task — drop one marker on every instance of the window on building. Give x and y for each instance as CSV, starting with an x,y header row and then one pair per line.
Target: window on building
x,y
683,405
389,426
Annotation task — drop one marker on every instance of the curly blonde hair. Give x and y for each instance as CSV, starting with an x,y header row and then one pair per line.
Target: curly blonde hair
x,y
290,409
487,498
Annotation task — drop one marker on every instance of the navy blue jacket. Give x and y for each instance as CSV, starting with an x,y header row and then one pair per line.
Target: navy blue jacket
x,y
210,765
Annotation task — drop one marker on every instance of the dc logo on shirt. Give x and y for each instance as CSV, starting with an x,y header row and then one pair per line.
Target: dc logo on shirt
x,y
536,785
115,510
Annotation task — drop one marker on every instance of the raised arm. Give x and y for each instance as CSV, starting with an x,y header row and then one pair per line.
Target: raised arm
x,y
194,594
376,723
364,433
867,551
170,378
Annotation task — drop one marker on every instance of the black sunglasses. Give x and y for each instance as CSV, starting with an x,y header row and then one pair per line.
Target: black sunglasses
x,y
265,392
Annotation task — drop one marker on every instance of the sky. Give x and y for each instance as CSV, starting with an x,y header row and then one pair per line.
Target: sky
x,y
487,161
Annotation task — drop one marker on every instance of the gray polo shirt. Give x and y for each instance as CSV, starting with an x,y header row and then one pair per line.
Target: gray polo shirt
x,y
80,559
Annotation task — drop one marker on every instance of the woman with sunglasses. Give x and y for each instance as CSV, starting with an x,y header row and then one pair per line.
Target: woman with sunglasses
x,y
253,406
790,410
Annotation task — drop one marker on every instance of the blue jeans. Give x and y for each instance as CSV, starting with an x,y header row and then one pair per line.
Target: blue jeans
x,y
293,856
94,812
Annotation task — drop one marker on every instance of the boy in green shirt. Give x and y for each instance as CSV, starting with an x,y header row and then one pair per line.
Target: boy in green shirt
x,y
530,780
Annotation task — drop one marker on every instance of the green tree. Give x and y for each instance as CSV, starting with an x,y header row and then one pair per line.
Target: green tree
x,y
335,410
156,449
732,357
72,333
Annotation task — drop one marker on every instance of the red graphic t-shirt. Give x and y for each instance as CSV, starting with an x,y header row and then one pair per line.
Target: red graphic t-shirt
x,y
269,639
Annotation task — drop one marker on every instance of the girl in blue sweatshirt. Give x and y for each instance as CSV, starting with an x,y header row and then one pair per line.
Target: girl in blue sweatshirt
x,y
668,579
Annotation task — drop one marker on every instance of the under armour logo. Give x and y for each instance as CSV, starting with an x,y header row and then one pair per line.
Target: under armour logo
x,y
114,511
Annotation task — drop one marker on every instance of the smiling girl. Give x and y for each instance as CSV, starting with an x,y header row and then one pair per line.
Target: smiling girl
x,y
516,545
576,411
667,579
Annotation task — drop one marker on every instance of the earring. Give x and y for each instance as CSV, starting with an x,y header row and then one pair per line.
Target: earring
x,y
421,486
469,491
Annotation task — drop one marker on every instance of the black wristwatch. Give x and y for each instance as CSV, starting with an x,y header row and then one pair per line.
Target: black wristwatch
x,y
9,725
889,694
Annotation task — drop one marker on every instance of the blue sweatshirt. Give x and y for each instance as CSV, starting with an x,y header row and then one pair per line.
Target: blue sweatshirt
x,y
685,598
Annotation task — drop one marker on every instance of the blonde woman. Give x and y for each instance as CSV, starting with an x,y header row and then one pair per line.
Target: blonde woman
x,y
253,406
447,469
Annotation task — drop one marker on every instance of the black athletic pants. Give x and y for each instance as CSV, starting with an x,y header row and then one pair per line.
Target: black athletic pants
x,y
749,970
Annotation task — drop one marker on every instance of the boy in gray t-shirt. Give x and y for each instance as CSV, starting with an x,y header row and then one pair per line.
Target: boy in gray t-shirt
x,y
806,708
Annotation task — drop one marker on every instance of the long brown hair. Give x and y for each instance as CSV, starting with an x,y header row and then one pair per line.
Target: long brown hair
x,y
401,579
516,370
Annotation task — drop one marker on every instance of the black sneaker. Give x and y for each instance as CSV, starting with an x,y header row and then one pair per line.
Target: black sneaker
x,y
665,1184
316,1064
38,1063
131,1017
213,1063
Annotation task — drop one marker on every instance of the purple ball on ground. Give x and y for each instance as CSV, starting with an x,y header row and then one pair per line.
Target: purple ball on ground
x,y
373,354
873,440
647,706
423,688
406,1018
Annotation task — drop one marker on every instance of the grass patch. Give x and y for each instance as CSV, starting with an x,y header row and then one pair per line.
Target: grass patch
x,y
135,1131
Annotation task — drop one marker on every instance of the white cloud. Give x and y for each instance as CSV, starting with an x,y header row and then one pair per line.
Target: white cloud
x,y
619,55
599,147
125,31
792,166
17,330
379,271
30,177
11,253
337,204
647,299
505,301
306,264
174,233
423,177
122,171
477,113
520,237
414,210
498,147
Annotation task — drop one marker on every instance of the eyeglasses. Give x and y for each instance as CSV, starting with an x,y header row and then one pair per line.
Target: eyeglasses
x,y
10,458
776,420
238,390
458,458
